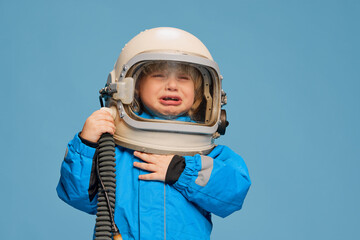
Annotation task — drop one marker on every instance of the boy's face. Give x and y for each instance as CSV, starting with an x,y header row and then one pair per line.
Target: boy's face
x,y
167,93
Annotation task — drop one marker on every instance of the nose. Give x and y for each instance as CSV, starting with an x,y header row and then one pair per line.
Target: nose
x,y
171,83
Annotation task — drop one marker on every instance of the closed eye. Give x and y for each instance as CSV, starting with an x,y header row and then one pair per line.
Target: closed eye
x,y
158,75
184,77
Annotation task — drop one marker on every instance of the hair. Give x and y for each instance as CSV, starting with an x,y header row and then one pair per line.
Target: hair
x,y
195,111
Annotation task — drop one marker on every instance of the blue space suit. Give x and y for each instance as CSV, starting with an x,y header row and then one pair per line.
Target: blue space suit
x,y
216,183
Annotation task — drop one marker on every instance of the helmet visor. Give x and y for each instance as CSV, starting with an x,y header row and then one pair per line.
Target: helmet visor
x,y
174,91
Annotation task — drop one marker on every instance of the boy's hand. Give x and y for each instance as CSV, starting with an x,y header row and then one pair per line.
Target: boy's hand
x,y
157,164
98,123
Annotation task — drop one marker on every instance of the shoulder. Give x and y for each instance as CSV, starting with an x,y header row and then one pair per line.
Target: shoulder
x,y
222,150
228,156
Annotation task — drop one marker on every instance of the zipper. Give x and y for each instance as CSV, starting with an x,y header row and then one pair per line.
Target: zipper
x,y
164,211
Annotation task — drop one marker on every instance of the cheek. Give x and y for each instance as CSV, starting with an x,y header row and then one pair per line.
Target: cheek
x,y
145,96
145,89
148,94
190,95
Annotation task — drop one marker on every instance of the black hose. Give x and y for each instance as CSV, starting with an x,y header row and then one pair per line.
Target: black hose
x,y
105,224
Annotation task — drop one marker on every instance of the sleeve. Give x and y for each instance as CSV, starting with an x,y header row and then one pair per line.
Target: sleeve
x,y
73,186
218,182
175,169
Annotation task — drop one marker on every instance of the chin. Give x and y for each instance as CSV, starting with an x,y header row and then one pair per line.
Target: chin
x,y
170,115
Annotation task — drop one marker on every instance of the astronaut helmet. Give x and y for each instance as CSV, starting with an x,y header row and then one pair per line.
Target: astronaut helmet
x,y
166,88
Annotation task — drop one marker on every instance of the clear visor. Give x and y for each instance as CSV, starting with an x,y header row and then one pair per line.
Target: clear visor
x,y
174,91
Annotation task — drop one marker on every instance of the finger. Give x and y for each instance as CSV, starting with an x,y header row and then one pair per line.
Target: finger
x,y
145,156
150,176
106,124
106,129
103,115
95,122
146,166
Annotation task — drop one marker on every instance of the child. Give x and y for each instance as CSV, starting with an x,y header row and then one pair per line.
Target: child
x,y
160,194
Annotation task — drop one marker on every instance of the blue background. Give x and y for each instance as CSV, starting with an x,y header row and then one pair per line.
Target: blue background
x,y
291,71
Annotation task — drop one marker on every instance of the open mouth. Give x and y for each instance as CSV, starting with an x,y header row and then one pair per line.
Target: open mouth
x,y
170,100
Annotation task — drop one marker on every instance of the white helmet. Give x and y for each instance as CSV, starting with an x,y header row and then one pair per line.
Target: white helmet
x,y
164,136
